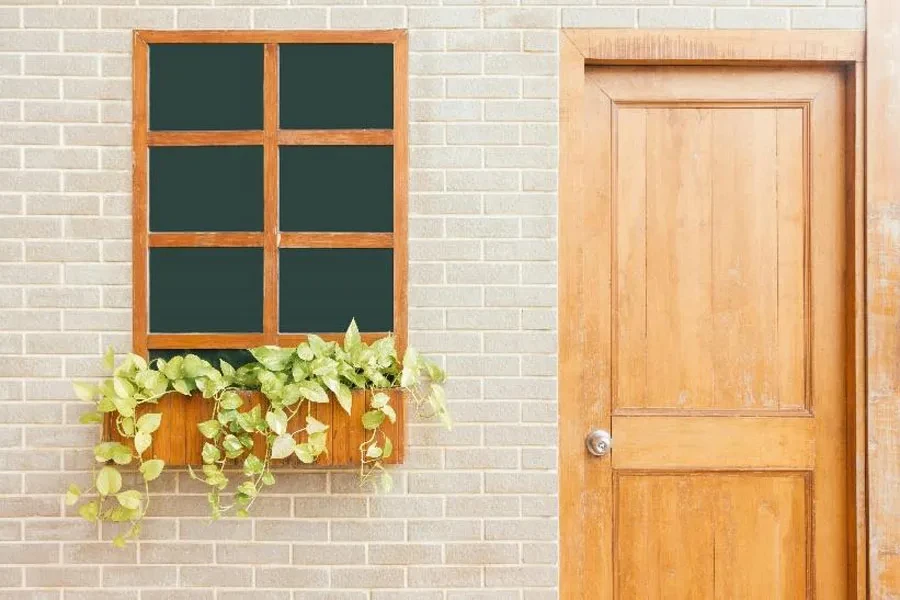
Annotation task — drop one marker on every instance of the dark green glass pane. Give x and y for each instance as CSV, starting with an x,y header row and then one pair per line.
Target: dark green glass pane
x,y
206,86
336,86
236,358
206,290
322,289
336,188
206,188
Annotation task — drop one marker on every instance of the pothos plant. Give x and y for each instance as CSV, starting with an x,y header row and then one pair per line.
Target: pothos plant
x,y
316,372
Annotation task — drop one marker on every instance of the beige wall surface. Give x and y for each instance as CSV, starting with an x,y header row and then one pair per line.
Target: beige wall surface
x,y
474,513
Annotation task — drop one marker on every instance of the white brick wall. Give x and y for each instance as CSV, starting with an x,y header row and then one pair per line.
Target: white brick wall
x,y
474,514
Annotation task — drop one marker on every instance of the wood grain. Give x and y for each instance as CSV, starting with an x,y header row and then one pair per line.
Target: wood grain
x,y
401,185
883,296
270,193
585,172
140,221
714,536
714,443
179,443
205,240
335,137
318,239
205,138
211,36
694,46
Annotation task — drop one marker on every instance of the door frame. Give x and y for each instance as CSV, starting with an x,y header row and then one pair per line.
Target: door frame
x,y
583,383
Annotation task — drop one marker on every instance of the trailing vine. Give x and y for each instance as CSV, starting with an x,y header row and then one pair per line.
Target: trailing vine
x,y
314,372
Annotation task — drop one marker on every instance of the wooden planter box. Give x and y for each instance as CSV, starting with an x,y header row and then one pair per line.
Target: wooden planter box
x,y
179,442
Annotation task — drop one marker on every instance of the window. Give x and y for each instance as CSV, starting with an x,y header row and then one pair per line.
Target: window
x,y
269,188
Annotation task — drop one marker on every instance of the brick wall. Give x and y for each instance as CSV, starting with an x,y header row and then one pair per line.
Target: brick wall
x,y
473,516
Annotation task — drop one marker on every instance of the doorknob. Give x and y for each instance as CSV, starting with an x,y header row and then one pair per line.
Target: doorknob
x,y
598,442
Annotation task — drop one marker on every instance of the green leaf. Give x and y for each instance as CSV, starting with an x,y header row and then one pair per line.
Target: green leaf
x,y
85,391
89,511
109,359
387,482
124,406
226,368
152,381
290,394
277,421
272,357
373,451
283,446
172,369
130,499
114,451
380,399
313,425
209,429
232,445
312,391
210,453
127,425
305,453
231,400
372,419
345,398
123,387
317,442
351,338
388,411
253,465
109,481
151,469
193,366
142,441
149,422
119,541
388,448
304,352
182,387
409,377
73,493
91,417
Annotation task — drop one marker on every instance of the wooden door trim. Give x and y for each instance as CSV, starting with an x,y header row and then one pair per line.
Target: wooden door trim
x,y
581,555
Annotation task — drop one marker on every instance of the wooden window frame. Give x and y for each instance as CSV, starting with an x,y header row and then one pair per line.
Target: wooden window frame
x,y
581,556
270,138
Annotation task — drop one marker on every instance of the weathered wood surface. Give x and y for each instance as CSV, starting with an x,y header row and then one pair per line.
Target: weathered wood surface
x,y
883,290
179,442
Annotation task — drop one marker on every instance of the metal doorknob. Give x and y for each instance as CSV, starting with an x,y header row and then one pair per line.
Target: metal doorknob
x,y
598,442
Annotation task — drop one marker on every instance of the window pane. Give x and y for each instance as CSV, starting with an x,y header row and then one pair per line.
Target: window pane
x,y
336,188
336,86
322,289
236,358
206,188
206,290
206,86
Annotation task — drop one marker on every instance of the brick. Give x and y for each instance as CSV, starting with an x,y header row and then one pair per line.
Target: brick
x,y
62,576
368,17
61,18
599,17
444,18
291,577
444,577
367,577
29,553
484,41
60,64
133,18
360,530
214,576
744,18
483,87
28,87
59,112
290,18
687,17
329,553
831,18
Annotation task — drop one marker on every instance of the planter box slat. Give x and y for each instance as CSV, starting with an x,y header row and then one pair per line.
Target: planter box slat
x,y
179,443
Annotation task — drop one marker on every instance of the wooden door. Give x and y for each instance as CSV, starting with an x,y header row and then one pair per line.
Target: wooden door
x,y
715,238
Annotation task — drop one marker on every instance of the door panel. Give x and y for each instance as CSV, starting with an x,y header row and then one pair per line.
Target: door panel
x,y
722,193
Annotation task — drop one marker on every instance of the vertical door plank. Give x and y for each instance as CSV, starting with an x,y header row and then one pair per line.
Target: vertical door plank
x,y
744,259
679,247
630,259
792,223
